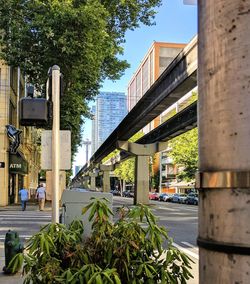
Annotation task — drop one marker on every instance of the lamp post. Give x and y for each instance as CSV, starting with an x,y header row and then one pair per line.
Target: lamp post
x,y
55,142
87,143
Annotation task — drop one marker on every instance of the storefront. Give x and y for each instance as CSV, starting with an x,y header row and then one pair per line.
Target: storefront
x,y
18,168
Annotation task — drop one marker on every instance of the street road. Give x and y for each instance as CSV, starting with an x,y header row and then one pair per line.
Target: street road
x,y
180,220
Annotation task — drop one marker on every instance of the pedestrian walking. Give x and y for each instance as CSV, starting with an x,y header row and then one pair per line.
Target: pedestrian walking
x,y
24,195
41,195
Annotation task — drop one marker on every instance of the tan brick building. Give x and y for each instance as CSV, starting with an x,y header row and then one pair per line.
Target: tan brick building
x,y
20,169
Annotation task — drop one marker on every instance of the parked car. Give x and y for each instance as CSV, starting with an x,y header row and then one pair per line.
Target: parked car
x,y
192,198
165,197
153,196
170,197
161,196
175,198
182,198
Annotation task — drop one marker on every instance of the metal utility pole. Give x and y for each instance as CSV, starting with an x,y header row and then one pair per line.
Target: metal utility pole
x,y
55,143
87,143
224,139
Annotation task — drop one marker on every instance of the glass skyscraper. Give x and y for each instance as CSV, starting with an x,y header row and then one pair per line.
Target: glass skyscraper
x,y
111,108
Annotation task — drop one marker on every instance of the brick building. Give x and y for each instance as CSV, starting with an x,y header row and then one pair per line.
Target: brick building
x,y
21,168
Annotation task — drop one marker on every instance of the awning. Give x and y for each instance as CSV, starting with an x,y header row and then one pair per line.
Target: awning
x,y
17,164
182,184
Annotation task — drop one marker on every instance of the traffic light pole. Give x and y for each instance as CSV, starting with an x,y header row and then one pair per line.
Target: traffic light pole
x,y
55,142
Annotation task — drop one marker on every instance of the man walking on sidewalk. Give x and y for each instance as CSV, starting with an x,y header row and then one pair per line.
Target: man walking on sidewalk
x,y
40,195
24,195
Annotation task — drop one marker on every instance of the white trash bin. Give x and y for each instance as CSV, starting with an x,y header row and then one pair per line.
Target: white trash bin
x,y
73,202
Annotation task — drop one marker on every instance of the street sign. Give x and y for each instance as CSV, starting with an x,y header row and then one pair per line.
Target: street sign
x,y
65,150
2,164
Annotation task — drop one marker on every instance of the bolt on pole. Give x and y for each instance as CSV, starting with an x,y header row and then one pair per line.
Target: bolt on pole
x,y
55,142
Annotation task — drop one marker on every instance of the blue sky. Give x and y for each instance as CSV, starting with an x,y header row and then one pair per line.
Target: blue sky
x,y
175,23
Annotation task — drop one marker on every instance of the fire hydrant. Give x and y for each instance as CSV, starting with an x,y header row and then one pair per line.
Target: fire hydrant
x,y
12,246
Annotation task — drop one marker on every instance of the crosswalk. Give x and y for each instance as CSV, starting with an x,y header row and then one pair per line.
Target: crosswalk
x,y
188,248
24,223
27,223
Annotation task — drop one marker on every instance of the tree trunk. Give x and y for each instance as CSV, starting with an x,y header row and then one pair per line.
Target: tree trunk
x,y
224,140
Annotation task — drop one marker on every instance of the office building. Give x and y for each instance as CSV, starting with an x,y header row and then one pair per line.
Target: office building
x,y
110,109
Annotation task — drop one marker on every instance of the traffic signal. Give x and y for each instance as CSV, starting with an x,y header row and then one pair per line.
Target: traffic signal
x,y
34,111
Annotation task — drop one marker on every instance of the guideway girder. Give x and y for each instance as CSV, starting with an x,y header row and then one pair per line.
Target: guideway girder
x,y
142,153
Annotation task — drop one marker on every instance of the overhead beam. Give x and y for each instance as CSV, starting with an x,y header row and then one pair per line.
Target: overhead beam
x,y
179,78
178,124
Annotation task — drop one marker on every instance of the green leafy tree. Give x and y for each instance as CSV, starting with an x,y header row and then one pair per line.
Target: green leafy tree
x,y
84,37
126,170
155,180
185,153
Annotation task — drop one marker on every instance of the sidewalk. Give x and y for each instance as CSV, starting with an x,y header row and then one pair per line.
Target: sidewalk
x,y
31,207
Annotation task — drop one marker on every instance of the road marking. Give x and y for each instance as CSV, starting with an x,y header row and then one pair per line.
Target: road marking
x,y
190,245
168,209
2,237
25,219
187,251
192,210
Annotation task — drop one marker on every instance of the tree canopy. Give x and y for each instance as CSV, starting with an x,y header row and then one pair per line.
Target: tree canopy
x,y
83,37
184,152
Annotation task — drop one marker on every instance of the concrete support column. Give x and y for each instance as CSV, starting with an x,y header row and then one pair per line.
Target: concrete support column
x,y
106,181
224,139
106,176
92,181
85,182
141,180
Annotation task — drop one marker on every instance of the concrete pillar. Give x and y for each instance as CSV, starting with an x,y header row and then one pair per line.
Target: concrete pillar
x,y
141,180
85,182
106,181
224,139
92,181
106,176
142,153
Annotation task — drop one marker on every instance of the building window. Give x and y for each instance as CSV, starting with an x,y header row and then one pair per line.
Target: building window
x,y
13,79
11,114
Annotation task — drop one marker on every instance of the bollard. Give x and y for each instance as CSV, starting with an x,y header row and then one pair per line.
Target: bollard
x,y
12,246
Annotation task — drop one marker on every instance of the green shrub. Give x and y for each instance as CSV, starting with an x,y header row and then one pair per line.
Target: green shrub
x,y
129,250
